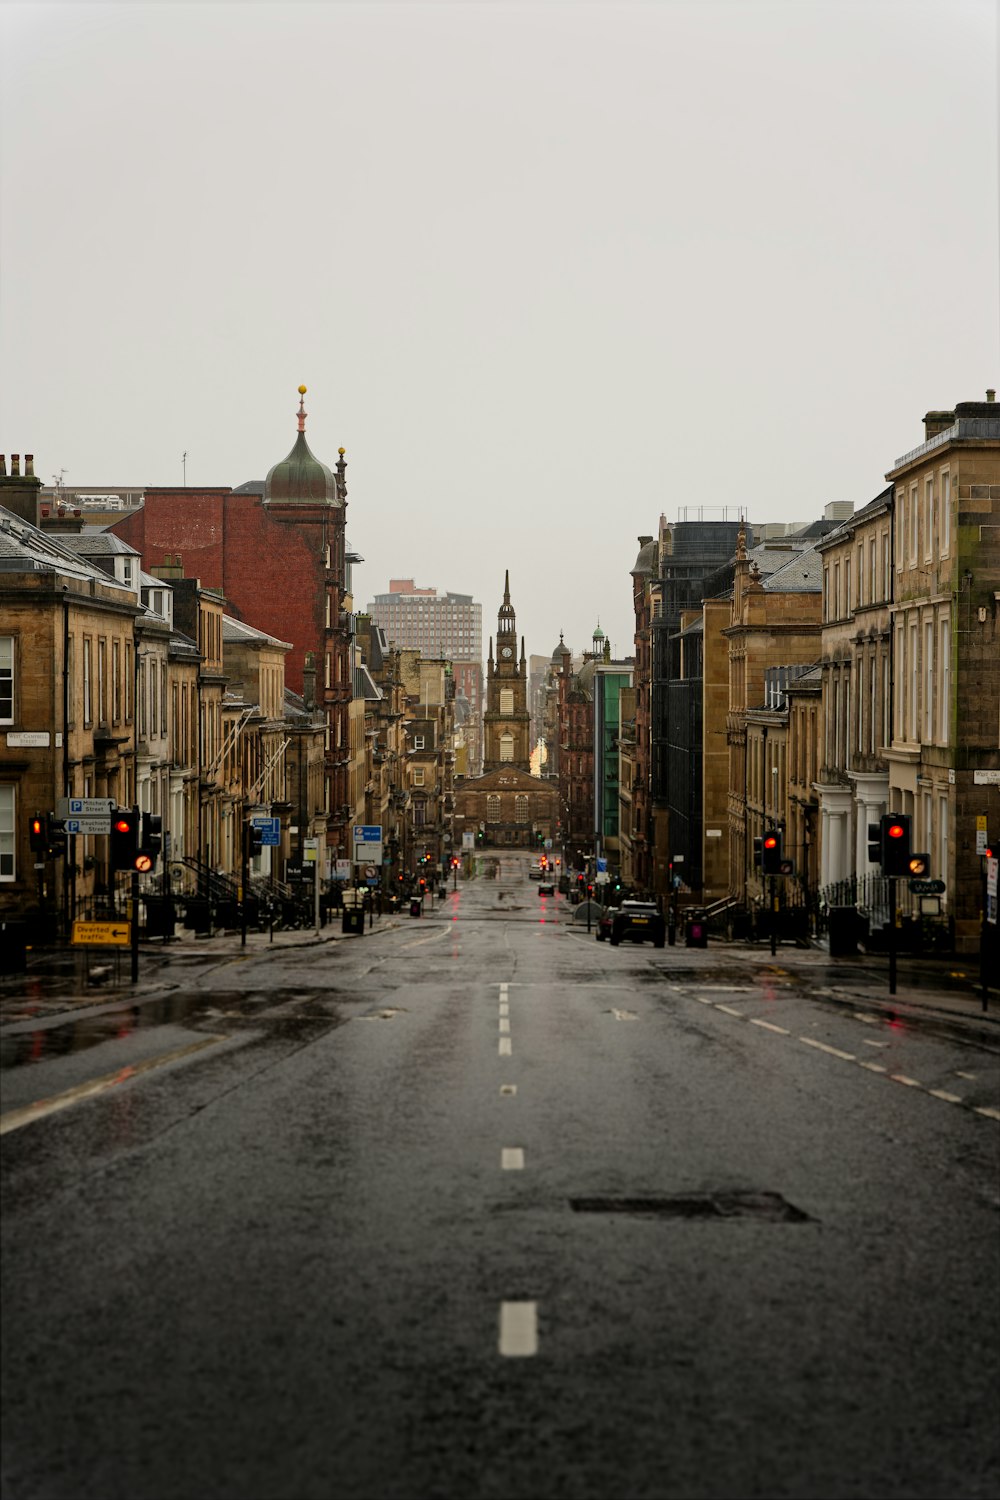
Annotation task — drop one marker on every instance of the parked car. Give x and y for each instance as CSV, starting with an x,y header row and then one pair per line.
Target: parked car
x,y
546,887
634,921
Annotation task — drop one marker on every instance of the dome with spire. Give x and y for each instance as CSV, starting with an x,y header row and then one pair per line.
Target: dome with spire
x,y
505,615
301,478
561,651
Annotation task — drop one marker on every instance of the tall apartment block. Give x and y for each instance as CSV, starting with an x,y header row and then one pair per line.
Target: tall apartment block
x,y
448,625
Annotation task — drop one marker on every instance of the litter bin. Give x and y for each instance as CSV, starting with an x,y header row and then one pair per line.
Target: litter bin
x,y
695,929
842,928
416,907
353,919
13,947
160,917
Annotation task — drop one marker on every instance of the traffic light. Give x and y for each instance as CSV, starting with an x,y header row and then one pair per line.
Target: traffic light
x,y
874,843
770,852
255,840
38,833
896,844
124,838
150,842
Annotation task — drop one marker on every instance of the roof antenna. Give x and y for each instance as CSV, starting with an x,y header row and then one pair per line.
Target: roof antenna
x,y
184,466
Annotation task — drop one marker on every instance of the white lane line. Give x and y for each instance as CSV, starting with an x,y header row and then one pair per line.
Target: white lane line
x,y
518,1329
911,1083
15,1118
869,1043
822,1047
421,941
504,1023
991,1114
504,1009
504,1047
873,1067
512,1159
503,990
970,1076
624,1015
769,1026
700,998
508,1088
729,1010
944,1094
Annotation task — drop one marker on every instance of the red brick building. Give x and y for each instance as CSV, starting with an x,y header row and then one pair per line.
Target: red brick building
x,y
276,551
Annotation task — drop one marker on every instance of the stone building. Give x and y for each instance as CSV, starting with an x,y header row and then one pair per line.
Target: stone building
x,y
276,550
507,805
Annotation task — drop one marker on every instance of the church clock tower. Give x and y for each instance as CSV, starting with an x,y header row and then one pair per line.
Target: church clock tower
x,y
506,722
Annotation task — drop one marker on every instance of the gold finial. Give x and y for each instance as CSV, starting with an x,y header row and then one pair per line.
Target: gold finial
x,y
303,389
341,451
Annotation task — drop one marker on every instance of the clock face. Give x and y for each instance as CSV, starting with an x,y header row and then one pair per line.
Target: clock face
x,y
506,652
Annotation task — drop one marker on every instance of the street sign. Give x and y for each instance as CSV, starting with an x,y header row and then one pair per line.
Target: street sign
x,y
368,833
468,840
342,869
116,934
787,867
927,887
73,807
992,881
98,823
602,863
270,831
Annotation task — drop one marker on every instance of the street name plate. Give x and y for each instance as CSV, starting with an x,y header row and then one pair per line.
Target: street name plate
x,y
98,823
117,934
75,807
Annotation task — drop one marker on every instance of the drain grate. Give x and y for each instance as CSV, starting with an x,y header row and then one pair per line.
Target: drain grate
x,y
771,1207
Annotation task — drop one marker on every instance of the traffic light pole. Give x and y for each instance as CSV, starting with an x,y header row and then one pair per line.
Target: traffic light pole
x,y
774,916
892,934
135,927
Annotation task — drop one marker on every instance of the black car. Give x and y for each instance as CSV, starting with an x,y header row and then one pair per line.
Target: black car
x,y
634,921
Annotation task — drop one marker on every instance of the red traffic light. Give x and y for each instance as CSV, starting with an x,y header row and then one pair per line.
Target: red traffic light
x,y
122,825
770,842
895,831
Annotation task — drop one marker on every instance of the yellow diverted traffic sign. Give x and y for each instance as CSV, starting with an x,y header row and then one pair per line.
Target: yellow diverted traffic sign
x,y
117,934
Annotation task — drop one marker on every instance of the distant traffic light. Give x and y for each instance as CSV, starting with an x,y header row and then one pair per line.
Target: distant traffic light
x,y
895,828
255,840
38,833
124,838
771,855
150,842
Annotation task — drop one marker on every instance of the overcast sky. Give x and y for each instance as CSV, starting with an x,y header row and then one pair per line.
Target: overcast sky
x,y
547,270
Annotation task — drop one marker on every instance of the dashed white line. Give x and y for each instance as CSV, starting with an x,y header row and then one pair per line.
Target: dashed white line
x,y
512,1158
822,1047
508,1088
943,1094
518,1329
769,1026
873,1067
504,1047
729,1010
504,1023
991,1114
911,1083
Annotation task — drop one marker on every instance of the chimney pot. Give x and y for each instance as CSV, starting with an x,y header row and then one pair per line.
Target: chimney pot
x,y
29,465
3,466
15,466
991,394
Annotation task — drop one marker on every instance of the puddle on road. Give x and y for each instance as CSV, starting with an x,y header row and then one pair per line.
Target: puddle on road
x,y
73,1034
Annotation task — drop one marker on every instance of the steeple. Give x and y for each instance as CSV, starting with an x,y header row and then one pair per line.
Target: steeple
x,y
506,622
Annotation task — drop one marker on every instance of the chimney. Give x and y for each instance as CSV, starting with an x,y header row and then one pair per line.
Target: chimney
x,y
935,422
29,466
15,466
3,466
309,680
991,394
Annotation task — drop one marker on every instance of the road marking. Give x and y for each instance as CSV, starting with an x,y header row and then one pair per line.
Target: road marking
x,y
420,941
624,1015
970,1076
822,1047
504,1008
512,1158
729,1010
991,1114
504,1023
769,1026
943,1094
508,1088
873,1067
911,1083
518,1329
869,1043
15,1118
503,990
504,1048
700,998
869,1020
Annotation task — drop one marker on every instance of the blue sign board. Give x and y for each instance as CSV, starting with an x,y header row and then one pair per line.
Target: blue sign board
x,y
602,864
270,831
368,833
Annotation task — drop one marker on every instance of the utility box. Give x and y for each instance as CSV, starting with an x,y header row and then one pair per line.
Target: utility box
x,y
353,920
695,928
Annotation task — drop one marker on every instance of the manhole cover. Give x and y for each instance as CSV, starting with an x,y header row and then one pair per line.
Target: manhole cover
x,y
735,1205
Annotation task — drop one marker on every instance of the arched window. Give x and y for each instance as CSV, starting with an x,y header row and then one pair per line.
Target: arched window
x,y
520,809
493,809
506,747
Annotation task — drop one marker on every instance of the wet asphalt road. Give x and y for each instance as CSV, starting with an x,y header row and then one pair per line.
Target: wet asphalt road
x,y
476,1206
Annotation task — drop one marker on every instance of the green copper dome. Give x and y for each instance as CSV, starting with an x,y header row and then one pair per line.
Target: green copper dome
x,y
301,477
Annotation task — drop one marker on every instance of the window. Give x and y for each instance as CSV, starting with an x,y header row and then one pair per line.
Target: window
x,y
944,504
900,529
492,808
886,567
886,701
872,571
88,705
418,775
835,602
914,517
418,742
520,809
7,870
899,668
944,682
847,586
914,682
102,681
941,866
507,747
128,680
116,681
928,681
928,518
6,679
507,701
